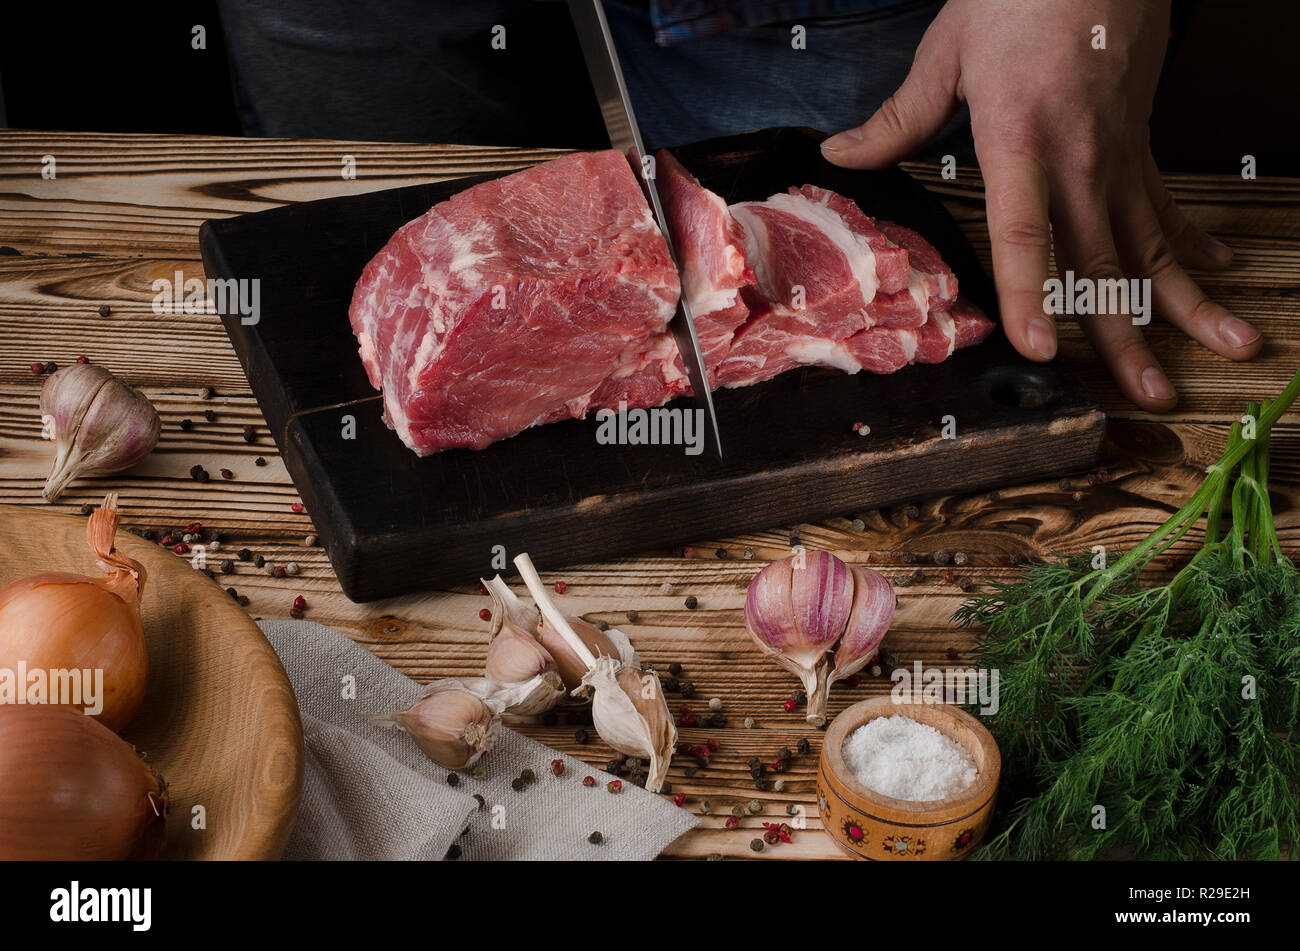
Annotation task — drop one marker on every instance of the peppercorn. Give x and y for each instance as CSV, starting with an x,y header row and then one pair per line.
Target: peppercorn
x,y
803,745
453,779
279,571
717,721
233,593
687,689
666,788
517,784
528,776
227,474
779,785
227,566
633,763
715,704
687,720
784,754
249,434
721,553
640,778
51,367
259,461
942,557
581,736
755,806
794,538
671,685
210,415
702,762
706,807
595,838
614,785
243,600
778,765
960,558
260,561
858,525
748,554
787,705
690,772
756,845
792,810
245,555
588,780
909,557
633,617
712,744
731,823
561,587
104,310
186,425
679,800
692,603
478,771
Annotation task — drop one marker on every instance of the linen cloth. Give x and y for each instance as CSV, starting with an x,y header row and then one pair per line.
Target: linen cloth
x,y
370,793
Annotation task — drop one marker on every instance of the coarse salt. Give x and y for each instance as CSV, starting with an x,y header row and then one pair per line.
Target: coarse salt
x,y
899,757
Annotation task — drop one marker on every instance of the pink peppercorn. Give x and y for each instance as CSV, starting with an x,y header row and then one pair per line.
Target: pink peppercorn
x,y
615,785
712,744
561,587
38,368
680,799
588,780
180,549
557,767
300,603
83,359
787,705
296,508
484,614
688,720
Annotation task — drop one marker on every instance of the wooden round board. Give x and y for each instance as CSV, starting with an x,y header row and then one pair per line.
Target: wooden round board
x,y
219,721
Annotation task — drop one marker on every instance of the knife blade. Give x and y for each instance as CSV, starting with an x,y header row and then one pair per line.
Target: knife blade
x,y
624,134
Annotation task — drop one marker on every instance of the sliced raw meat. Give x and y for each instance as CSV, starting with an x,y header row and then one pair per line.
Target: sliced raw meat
x,y
891,265
928,268
513,302
710,244
808,263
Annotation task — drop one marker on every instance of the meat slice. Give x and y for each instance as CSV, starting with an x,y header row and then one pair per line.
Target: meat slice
x,y
890,260
513,302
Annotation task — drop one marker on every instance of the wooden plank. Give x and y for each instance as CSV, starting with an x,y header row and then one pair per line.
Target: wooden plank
x,y
136,205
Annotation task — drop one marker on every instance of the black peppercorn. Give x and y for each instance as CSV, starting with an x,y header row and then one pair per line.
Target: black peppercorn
x,y
250,434
690,772
259,461
517,784
260,561
104,310
794,538
210,415
227,566
702,762
784,753
675,669
761,785
528,776
581,736
721,553
687,689
453,779
803,745
632,617
800,698
186,425
245,555
672,685
203,475
595,838
692,603
756,845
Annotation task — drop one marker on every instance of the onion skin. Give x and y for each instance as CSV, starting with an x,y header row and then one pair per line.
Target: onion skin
x,y
62,621
70,789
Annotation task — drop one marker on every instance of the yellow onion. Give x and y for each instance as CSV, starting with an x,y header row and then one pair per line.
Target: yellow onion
x,y
71,790
60,621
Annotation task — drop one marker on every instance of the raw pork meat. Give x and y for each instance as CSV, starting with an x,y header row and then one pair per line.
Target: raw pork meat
x,y
513,302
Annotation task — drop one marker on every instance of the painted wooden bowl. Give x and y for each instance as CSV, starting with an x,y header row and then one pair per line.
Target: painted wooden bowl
x,y
868,825
219,719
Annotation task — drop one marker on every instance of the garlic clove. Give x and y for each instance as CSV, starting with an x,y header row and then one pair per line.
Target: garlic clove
x,y
873,608
452,724
608,643
514,656
631,714
101,425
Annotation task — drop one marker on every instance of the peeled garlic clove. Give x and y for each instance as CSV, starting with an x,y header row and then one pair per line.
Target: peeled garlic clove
x,y
100,424
630,713
873,608
451,723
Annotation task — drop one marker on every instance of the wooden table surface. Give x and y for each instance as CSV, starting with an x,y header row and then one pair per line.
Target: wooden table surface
x,y
124,210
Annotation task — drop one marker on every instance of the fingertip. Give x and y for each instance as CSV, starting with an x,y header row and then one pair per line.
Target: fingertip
x,y
1241,340
1154,391
1040,335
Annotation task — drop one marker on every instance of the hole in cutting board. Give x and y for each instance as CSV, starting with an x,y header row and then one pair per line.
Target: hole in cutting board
x,y
1019,387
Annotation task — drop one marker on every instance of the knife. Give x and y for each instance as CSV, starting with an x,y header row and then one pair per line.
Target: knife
x,y
624,135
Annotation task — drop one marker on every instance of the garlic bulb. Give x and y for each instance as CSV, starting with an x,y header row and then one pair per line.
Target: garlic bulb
x,y
628,706
819,618
521,670
101,425
453,724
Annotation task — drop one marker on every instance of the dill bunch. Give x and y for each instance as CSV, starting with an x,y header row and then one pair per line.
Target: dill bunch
x,y
1156,722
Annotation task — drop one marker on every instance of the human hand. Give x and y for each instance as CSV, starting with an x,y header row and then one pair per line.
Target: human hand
x,y
1061,136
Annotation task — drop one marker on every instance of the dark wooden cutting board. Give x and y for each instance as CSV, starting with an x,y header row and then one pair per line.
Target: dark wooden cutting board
x,y
393,523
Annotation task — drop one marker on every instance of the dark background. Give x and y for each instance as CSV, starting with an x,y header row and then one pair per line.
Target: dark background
x,y
1229,87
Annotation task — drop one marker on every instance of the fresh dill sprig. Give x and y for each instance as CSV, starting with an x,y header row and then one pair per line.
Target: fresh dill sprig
x,y
1155,722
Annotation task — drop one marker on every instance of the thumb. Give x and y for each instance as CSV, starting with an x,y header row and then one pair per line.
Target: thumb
x,y
908,119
